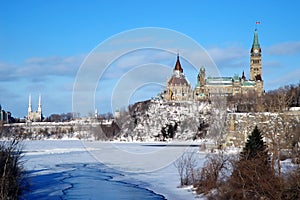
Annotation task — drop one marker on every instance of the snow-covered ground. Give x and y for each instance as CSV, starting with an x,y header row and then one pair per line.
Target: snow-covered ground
x,y
72,169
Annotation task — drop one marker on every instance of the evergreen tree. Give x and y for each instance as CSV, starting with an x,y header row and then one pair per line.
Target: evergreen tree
x,y
252,176
255,147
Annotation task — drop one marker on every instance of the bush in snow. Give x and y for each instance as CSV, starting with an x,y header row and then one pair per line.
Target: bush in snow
x,y
186,167
292,185
214,172
12,182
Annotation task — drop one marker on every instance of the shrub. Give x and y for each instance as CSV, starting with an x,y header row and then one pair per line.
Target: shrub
x,y
214,172
292,185
12,182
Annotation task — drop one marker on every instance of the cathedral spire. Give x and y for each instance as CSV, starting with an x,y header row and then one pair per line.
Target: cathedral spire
x,y
40,104
29,104
178,65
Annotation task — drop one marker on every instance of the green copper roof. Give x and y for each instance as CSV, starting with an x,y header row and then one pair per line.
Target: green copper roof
x,y
219,78
236,78
248,83
255,40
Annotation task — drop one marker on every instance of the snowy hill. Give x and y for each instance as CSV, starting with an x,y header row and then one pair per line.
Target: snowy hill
x,y
157,120
190,120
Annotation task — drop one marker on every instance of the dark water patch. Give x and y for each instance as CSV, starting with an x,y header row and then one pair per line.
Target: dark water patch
x,y
83,181
45,186
90,181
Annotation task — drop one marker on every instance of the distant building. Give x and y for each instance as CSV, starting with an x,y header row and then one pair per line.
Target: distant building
x,y
35,116
178,87
5,117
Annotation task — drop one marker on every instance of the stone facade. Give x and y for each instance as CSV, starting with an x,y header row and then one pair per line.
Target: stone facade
x,y
279,126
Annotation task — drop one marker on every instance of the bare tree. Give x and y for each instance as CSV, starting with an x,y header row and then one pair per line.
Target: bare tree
x,y
186,167
214,172
218,115
98,132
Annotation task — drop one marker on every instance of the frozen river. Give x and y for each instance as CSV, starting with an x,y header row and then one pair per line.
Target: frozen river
x,y
72,169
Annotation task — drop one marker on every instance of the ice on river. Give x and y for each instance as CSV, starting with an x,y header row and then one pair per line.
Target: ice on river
x,y
72,169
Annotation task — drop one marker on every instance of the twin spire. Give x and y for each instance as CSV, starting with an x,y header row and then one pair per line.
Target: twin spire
x,y
39,104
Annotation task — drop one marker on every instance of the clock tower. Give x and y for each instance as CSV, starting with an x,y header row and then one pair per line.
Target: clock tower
x,y
255,60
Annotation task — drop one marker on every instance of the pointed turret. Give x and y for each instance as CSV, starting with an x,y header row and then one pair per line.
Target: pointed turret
x,y
29,104
40,104
243,76
178,65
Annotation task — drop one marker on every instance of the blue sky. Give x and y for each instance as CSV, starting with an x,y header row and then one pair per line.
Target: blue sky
x,y
43,43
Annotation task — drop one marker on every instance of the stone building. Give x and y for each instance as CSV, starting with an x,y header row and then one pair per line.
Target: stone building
x,y
178,87
35,116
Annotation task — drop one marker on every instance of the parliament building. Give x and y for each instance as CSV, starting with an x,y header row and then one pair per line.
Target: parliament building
x,y
179,89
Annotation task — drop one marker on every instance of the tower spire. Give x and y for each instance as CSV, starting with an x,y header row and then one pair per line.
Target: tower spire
x,y
178,65
40,104
29,104
243,76
255,40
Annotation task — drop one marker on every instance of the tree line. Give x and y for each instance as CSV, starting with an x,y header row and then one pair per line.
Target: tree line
x,y
277,100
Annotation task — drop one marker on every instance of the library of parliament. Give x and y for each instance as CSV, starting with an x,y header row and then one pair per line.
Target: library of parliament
x,y
179,89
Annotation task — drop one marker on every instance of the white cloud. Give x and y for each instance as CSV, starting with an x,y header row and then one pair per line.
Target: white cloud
x,y
144,56
36,69
286,48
